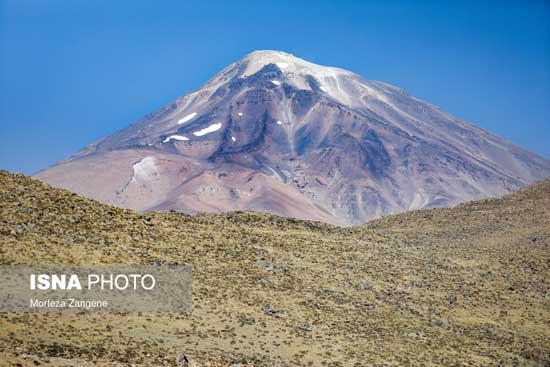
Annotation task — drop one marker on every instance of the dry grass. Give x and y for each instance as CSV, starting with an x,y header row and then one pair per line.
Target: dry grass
x,y
457,287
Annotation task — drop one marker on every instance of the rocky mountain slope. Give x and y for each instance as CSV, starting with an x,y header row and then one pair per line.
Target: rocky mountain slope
x,y
278,134
466,286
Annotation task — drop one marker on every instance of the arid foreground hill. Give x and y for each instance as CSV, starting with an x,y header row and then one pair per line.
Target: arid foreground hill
x,y
467,286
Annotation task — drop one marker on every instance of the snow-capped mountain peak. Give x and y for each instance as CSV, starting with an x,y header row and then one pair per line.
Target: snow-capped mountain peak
x,y
273,132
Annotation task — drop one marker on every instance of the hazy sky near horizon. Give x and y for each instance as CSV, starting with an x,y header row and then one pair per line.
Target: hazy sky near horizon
x,y
74,71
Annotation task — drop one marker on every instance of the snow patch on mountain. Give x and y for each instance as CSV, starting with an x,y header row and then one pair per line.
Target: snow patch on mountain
x,y
145,169
175,137
209,129
282,65
187,118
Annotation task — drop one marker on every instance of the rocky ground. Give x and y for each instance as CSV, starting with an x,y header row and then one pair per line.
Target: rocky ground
x,y
467,286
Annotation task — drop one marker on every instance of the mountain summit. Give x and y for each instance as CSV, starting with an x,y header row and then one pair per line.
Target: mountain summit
x,y
275,133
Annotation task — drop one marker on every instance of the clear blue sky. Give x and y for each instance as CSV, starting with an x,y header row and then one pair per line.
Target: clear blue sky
x,y
72,71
